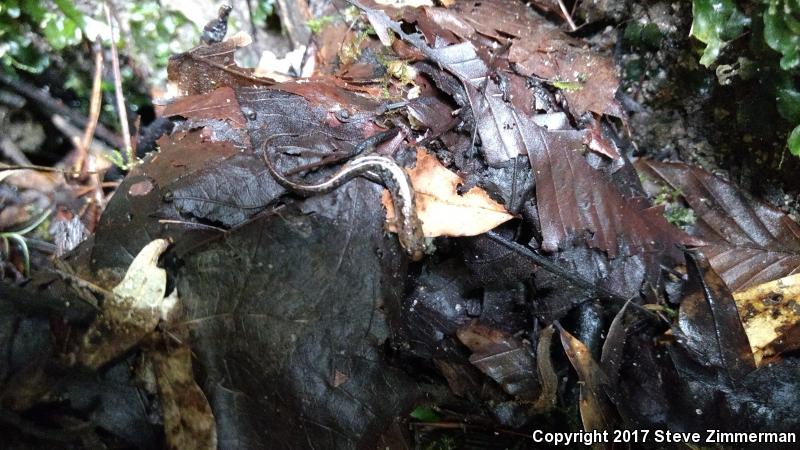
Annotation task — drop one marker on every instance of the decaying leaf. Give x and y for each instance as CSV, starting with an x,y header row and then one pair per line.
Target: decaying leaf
x,y
188,419
442,210
596,410
208,67
575,200
749,242
770,313
220,104
131,312
540,49
548,380
503,358
709,325
612,356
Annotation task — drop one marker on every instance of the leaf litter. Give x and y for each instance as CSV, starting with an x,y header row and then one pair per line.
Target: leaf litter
x,y
302,321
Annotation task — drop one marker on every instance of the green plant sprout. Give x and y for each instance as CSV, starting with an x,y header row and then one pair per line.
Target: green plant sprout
x,y
18,236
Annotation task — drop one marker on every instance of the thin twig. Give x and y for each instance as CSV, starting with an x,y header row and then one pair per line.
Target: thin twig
x,y
12,152
123,114
4,168
567,15
94,110
554,268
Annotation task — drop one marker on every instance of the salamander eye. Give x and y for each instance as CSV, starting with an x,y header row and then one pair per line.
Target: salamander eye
x,y
343,115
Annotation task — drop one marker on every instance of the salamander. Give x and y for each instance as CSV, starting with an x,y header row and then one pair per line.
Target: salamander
x,y
379,169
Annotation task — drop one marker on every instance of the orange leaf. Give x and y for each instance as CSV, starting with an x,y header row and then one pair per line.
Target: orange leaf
x,y
441,209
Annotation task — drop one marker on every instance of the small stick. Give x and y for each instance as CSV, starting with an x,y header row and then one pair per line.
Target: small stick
x,y
554,268
567,15
123,114
4,168
94,110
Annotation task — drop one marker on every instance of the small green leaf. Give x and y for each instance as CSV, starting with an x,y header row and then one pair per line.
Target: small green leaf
x,y
794,141
782,31
569,86
70,11
425,414
789,103
715,23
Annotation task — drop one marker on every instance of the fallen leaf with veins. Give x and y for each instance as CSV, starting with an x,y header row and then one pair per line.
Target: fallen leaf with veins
x,y
441,209
503,358
131,312
748,242
770,313
219,104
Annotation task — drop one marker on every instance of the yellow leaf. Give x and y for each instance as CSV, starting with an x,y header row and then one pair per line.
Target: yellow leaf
x,y
770,313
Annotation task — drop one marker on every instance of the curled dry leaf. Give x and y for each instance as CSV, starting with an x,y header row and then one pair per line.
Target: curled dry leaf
x,y
188,419
131,312
441,209
771,316
548,379
596,409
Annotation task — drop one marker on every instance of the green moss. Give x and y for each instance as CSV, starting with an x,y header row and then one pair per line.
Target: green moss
x,y
645,36
674,211
316,25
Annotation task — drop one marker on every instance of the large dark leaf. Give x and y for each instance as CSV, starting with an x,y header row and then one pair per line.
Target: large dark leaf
x,y
749,242
212,178
287,314
577,201
709,326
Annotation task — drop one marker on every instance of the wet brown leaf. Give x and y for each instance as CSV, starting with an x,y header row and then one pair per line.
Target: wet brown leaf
x,y
205,68
503,358
709,325
501,128
596,410
540,49
577,201
220,104
749,242
548,379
